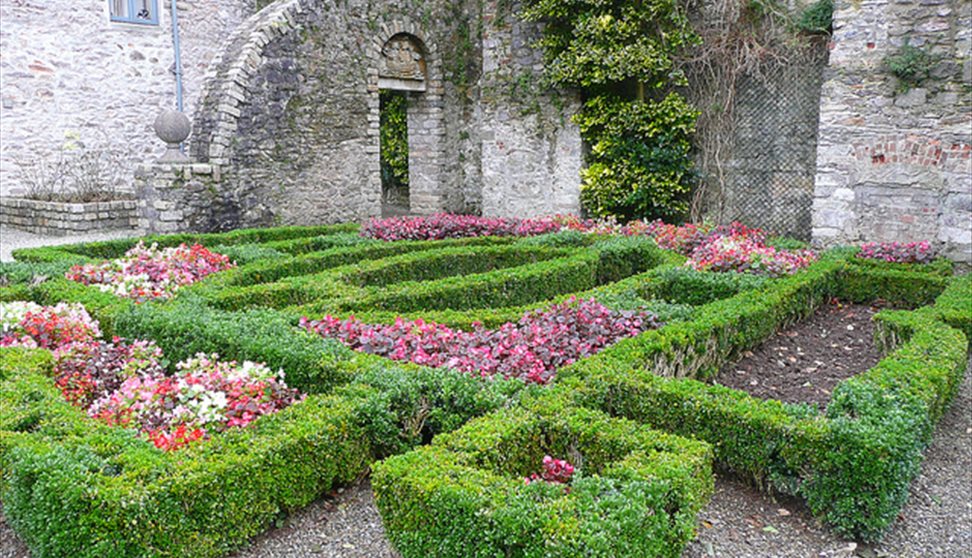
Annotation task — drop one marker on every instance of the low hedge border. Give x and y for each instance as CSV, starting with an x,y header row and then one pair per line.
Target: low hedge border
x,y
636,493
108,249
792,448
853,464
75,487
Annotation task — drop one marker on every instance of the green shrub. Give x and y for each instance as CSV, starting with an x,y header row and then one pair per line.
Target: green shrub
x,y
403,406
103,492
312,364
686,286
954,305
636,493
900,288
817,18
243,254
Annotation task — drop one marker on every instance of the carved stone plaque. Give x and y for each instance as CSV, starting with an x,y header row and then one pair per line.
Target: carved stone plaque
x,y
402,64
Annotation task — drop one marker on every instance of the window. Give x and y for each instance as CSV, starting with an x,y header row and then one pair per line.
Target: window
x,y
144,12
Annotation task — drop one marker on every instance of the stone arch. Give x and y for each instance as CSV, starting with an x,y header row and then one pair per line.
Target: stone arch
x,y
271,64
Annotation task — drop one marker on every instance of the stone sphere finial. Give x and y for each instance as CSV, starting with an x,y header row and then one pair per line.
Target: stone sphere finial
x,y
173,128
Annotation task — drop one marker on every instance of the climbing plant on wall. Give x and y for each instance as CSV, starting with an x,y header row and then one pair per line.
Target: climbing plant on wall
x,y
394,146
621,55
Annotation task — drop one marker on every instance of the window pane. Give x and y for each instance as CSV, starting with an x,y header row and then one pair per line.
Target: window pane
x,y
119,9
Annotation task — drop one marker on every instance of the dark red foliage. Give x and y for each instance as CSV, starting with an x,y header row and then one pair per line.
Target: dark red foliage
x,y
531,349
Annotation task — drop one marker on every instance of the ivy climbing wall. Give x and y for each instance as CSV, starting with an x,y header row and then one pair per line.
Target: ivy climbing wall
x,y
893,160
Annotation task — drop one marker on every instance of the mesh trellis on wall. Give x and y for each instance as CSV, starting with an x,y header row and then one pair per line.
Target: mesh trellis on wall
x,y
769,172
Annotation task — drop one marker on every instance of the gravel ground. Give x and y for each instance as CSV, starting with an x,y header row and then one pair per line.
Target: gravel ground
x,y
738,523
13,239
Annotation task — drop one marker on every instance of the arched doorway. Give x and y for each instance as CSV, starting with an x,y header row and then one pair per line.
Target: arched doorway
x,y
410,125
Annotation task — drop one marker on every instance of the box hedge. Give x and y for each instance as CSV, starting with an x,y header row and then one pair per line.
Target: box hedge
x,y
636,491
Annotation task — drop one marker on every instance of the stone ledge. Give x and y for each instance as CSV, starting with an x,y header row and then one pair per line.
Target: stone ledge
x,y
61,219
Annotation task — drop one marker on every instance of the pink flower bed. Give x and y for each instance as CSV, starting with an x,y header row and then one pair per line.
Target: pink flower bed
x,y
898,252
685,239
531,349
745,254
445,225
25,324
146,273
124,383
205,395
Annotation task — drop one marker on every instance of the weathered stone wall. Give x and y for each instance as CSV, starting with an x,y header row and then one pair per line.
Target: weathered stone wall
x,y
177,197
291,113
772,157
70,75
895,165
532,153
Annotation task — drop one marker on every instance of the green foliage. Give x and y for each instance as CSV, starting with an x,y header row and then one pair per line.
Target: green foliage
x,y
75,487
636,492
394,141
312,364
621,56
911,65
855,463
403,407
817,18
21,273
72,486
955,304
243,254
639,164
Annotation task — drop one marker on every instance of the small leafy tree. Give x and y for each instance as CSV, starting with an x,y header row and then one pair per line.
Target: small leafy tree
x,y
621,55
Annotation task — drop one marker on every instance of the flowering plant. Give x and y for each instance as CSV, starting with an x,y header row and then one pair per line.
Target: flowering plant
x,y
445,225
146,273
87,370
531,349
27,324
898,252
745,254
207,394
556,471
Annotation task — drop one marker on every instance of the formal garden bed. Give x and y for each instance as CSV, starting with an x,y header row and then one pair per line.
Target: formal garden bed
x,y
451,356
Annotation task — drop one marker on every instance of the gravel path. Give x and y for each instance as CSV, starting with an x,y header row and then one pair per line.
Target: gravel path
x,y
738,523
13,239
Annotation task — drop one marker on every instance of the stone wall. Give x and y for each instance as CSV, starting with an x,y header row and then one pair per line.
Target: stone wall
x,y
291,114
63,219
532,153
70,75
176,197
894,165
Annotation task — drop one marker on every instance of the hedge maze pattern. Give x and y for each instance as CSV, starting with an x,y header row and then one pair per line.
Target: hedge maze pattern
x,y
448,452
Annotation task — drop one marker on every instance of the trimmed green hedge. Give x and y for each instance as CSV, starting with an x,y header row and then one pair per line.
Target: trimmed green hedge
x,y
855,463
108,249
954,306
852,463
74,487
636,491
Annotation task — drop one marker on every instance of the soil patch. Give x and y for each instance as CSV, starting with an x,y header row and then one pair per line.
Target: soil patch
x,y
803,363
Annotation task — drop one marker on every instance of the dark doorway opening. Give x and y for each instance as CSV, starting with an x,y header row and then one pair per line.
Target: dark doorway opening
x,y
393,123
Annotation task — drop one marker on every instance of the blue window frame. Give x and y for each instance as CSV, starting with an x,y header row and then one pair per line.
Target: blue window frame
x,y
142,12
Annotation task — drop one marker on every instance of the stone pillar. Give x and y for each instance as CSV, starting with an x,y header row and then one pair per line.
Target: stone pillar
x,y
178,197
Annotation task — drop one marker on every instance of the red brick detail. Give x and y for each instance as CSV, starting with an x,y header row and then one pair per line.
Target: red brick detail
x,y
911,150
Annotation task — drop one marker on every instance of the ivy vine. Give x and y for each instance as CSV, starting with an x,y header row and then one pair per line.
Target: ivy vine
x,y
621,55
393,126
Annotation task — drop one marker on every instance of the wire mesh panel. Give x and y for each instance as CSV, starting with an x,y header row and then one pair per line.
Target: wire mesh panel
x,y
768,174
